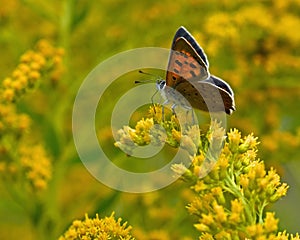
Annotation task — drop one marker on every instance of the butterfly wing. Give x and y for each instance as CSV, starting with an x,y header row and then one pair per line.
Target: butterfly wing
x,y
183,33
188,73
226,93
187,60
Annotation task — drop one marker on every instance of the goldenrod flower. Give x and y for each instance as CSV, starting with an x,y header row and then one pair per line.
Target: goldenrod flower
x,y
237,211
234,139
270,223
45,59
236,187
95,228
155,112
37,166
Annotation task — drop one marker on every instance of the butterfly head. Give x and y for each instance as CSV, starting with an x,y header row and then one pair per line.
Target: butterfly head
x,y
160,84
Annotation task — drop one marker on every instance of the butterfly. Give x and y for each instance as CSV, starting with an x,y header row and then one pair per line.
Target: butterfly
x,y
188,74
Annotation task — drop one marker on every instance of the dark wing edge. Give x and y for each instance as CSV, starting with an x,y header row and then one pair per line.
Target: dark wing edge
x,y
182,32
223,87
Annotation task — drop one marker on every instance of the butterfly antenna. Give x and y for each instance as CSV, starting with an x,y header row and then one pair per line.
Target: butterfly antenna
x,y
149,74
143,81
149,80
142,72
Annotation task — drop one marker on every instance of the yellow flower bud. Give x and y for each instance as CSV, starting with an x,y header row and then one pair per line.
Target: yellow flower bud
x,y
234,138
9,94
270,223
201,227
7,82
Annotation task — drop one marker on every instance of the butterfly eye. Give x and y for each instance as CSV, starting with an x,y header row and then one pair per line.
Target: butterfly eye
x,y
160,84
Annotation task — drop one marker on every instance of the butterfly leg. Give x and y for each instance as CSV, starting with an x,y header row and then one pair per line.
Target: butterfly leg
x,y
163,110
173,108
188,109
152,101
193,117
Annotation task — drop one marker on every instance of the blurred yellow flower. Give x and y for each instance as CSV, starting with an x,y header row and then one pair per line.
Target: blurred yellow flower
x,y
37,166
33,65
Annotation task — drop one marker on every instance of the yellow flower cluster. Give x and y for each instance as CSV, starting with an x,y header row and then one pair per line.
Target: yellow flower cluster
x,y
149,131
280,140
141,134
20,159
11,122
232,196
13,128
33,65
37,166
155,131
256,47
129,138
250,31
95,228
29,165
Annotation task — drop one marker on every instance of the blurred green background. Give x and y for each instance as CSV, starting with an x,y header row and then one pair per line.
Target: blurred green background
x,y
253,45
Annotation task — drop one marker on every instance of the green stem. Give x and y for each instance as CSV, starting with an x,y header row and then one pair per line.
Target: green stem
x,y
65,25
261,211
230,186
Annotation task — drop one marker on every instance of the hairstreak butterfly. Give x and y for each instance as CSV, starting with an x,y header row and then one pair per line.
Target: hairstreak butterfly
x,y
188,74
